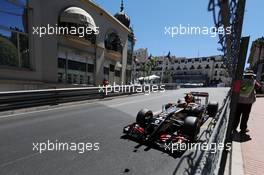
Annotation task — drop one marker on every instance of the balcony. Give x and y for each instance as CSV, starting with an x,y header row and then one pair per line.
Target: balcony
x,y
75,41
113,55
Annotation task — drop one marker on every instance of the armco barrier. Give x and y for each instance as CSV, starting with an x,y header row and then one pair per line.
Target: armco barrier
x,y
21,99
206,161
210,162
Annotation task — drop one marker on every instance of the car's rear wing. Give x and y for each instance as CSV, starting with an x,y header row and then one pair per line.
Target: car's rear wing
x,y
200,94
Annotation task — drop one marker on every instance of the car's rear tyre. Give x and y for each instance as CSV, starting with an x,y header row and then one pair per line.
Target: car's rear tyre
x,y
212,109
143,117
191,127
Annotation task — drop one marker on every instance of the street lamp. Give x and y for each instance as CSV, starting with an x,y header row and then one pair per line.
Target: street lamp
x,y
135,61
162,71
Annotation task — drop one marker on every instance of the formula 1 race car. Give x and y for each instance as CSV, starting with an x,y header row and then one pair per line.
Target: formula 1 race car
x,y
177,123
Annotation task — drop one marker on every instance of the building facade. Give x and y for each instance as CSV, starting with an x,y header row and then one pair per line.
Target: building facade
x,y
256,58
140,56
207,70
31,61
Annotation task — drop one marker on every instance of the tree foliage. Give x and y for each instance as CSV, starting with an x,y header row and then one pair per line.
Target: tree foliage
x,y
8,52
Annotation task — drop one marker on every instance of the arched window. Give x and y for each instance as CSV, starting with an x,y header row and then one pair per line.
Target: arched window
x,y
113,42
76,21
216,66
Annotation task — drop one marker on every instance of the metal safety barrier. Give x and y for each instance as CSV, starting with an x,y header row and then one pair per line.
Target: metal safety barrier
x,y
207,161
210,162
32,98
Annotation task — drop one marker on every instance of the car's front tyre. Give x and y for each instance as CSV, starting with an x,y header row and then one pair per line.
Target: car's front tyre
x,y
143,117
191,127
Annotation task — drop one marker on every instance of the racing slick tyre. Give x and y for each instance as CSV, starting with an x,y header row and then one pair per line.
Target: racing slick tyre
x,y
191,127
143,117
212,109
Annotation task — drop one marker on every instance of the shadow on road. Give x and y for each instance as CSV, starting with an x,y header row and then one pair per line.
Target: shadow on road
x,y
150,146
241,137
189,162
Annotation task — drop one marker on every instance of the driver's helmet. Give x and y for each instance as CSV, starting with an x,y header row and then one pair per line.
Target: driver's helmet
x,y
181,103
189,98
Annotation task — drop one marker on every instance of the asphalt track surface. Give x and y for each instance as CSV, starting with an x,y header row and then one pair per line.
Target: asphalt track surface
x,y
100,122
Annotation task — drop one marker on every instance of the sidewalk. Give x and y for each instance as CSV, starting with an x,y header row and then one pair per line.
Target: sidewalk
x,y
248,150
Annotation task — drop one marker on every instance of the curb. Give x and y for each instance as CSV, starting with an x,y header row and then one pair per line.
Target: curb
x,y
259,95
237,163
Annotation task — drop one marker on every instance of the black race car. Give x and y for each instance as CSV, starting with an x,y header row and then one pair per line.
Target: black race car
x,y
177,123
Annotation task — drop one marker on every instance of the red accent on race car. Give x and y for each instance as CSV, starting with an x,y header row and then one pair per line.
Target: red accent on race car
x,y
164,137
139,129
179,138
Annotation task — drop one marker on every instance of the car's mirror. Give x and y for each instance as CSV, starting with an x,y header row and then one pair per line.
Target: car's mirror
x,y
163,108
